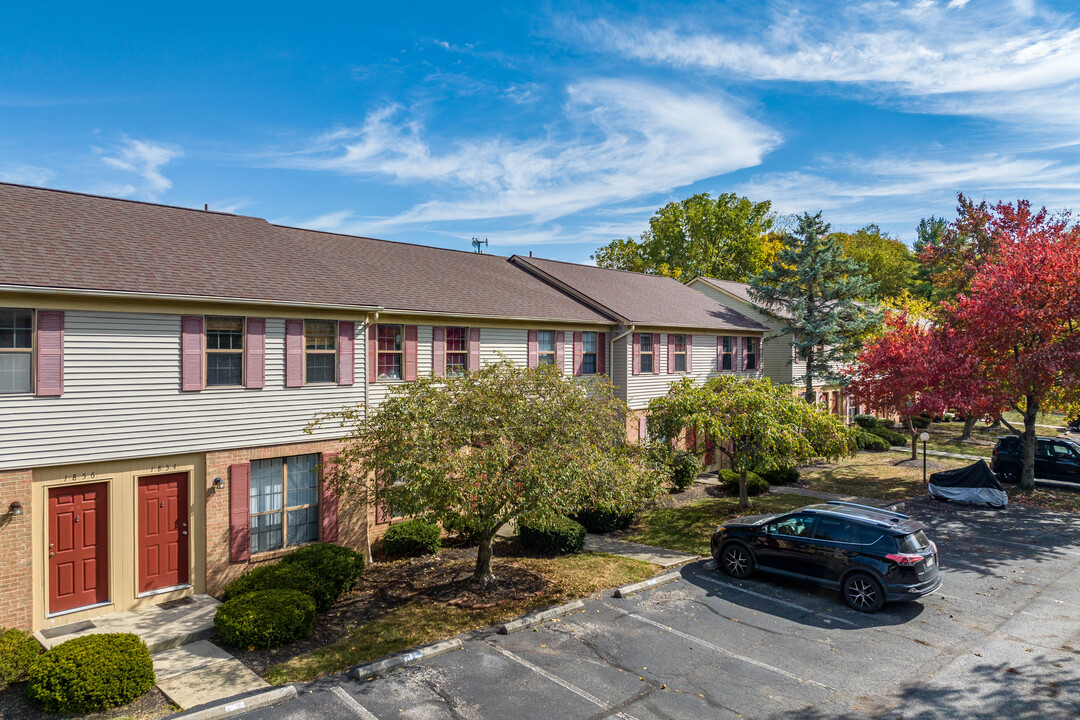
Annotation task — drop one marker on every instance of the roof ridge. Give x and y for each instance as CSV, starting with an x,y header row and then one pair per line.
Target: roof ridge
x,y
392,242
597,267
131,200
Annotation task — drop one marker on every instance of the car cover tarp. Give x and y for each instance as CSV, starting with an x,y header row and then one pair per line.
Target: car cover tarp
x,y
975,483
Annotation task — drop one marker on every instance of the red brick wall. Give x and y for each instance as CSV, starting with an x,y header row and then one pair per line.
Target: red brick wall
x,y
352,524
16,576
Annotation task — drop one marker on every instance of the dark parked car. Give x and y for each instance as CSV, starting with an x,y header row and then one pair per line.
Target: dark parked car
x,y
1055,459
869,554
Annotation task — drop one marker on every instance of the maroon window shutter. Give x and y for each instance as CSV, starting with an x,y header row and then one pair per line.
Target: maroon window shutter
x,y
719,353
577,353
255,353
410,352
690,354
50,352
474,349
191,350
373,353
294,353
534,354
346,352
560,351
239,512
656,353
670,353
637,353
601,353
642,429
328,503
438,351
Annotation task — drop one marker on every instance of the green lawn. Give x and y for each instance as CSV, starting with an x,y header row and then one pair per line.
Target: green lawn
x,y
872,475
689,527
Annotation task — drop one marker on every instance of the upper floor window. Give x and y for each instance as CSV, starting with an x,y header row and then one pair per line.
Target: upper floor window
x,y
457,350
727,353
588,353
545,347
645,353
679,357
320,351
16,350
391,350
752,348
224,351
284,506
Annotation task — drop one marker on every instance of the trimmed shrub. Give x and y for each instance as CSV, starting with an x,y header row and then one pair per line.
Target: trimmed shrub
x,y
920,422
265,618
467,528
18,650
412,537
729,483
604,521
890,436
559,537
887,423
685,467
281,576
871,442
782,476
866,421
91,673
335,568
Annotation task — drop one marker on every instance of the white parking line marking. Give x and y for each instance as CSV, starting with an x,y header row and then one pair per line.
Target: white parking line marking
x,y
559,681
353,704
726,586
722,651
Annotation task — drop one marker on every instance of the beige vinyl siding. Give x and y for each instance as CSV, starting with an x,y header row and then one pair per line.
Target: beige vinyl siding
x,y
509,343
618,366
122,398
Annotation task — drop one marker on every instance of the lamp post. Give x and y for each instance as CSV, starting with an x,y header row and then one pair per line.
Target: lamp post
x,y
924,437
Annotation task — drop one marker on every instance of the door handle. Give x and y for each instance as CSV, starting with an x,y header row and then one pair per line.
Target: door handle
x,y
52,554
184,532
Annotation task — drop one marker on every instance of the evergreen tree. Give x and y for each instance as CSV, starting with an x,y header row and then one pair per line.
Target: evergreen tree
x,y
813,288
930,232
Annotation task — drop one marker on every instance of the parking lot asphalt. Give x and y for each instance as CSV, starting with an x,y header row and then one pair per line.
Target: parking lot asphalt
x,y
1000,640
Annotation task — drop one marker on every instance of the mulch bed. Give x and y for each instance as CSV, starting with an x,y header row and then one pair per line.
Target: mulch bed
x,y
15,704
931,466
444,578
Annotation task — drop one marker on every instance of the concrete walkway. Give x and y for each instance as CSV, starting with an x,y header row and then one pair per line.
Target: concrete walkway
x,y
648,553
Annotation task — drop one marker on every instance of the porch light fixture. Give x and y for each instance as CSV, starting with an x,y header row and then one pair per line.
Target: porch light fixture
x,y
218,483
15,508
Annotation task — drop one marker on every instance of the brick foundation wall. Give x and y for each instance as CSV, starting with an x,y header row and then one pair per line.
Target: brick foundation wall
x,y
352,512
16,575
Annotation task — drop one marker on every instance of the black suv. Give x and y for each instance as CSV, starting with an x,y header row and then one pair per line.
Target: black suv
x,y
869,554
1055,459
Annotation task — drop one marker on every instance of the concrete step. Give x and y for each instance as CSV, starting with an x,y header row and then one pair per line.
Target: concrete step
x,y
200,673
169,625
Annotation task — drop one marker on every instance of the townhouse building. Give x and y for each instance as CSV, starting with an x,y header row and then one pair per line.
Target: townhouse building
x,y
159,366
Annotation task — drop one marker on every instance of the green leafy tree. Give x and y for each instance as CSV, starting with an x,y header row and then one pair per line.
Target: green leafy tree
x,y
726,237
754,423
814,289
889,263
499,444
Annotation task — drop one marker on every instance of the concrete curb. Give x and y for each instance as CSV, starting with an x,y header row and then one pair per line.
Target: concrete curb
x,y
363,672
627,590
228,708
529,621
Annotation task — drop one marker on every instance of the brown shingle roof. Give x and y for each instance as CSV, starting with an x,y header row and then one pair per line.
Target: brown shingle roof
x,y
741,291
58,239
642,299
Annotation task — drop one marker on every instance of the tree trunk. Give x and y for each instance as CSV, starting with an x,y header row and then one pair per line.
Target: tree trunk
x,y
1028,442
969,425
914,439
482,575
810,395
744,500
996,425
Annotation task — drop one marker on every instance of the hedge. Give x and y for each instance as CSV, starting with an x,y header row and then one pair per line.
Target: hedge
x,y
871,442
412,537
265,618
866,421
781,476
920,422
604,521
324,571
18,650
465,527
729,483
685,467
559,537
91,673
890,436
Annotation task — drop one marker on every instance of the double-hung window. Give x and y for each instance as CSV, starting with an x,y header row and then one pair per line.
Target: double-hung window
x,y
284,502
588,353
545,347
752,348
679,356
727,353
457,351
224,351
320,351
645,352
16,350
391,351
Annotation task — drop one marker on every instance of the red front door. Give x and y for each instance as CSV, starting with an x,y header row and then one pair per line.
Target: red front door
x,y
163,531
78,546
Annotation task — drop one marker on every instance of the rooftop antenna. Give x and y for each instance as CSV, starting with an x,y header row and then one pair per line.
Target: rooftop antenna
x,y
477,243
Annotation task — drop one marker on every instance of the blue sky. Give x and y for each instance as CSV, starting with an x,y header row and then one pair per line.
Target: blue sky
x,y
550,127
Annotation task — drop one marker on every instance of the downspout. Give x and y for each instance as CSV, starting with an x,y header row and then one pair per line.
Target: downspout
x,y
373,318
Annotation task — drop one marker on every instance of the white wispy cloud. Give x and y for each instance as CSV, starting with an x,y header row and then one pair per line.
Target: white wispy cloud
x,y
616,140
26,174
145,159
